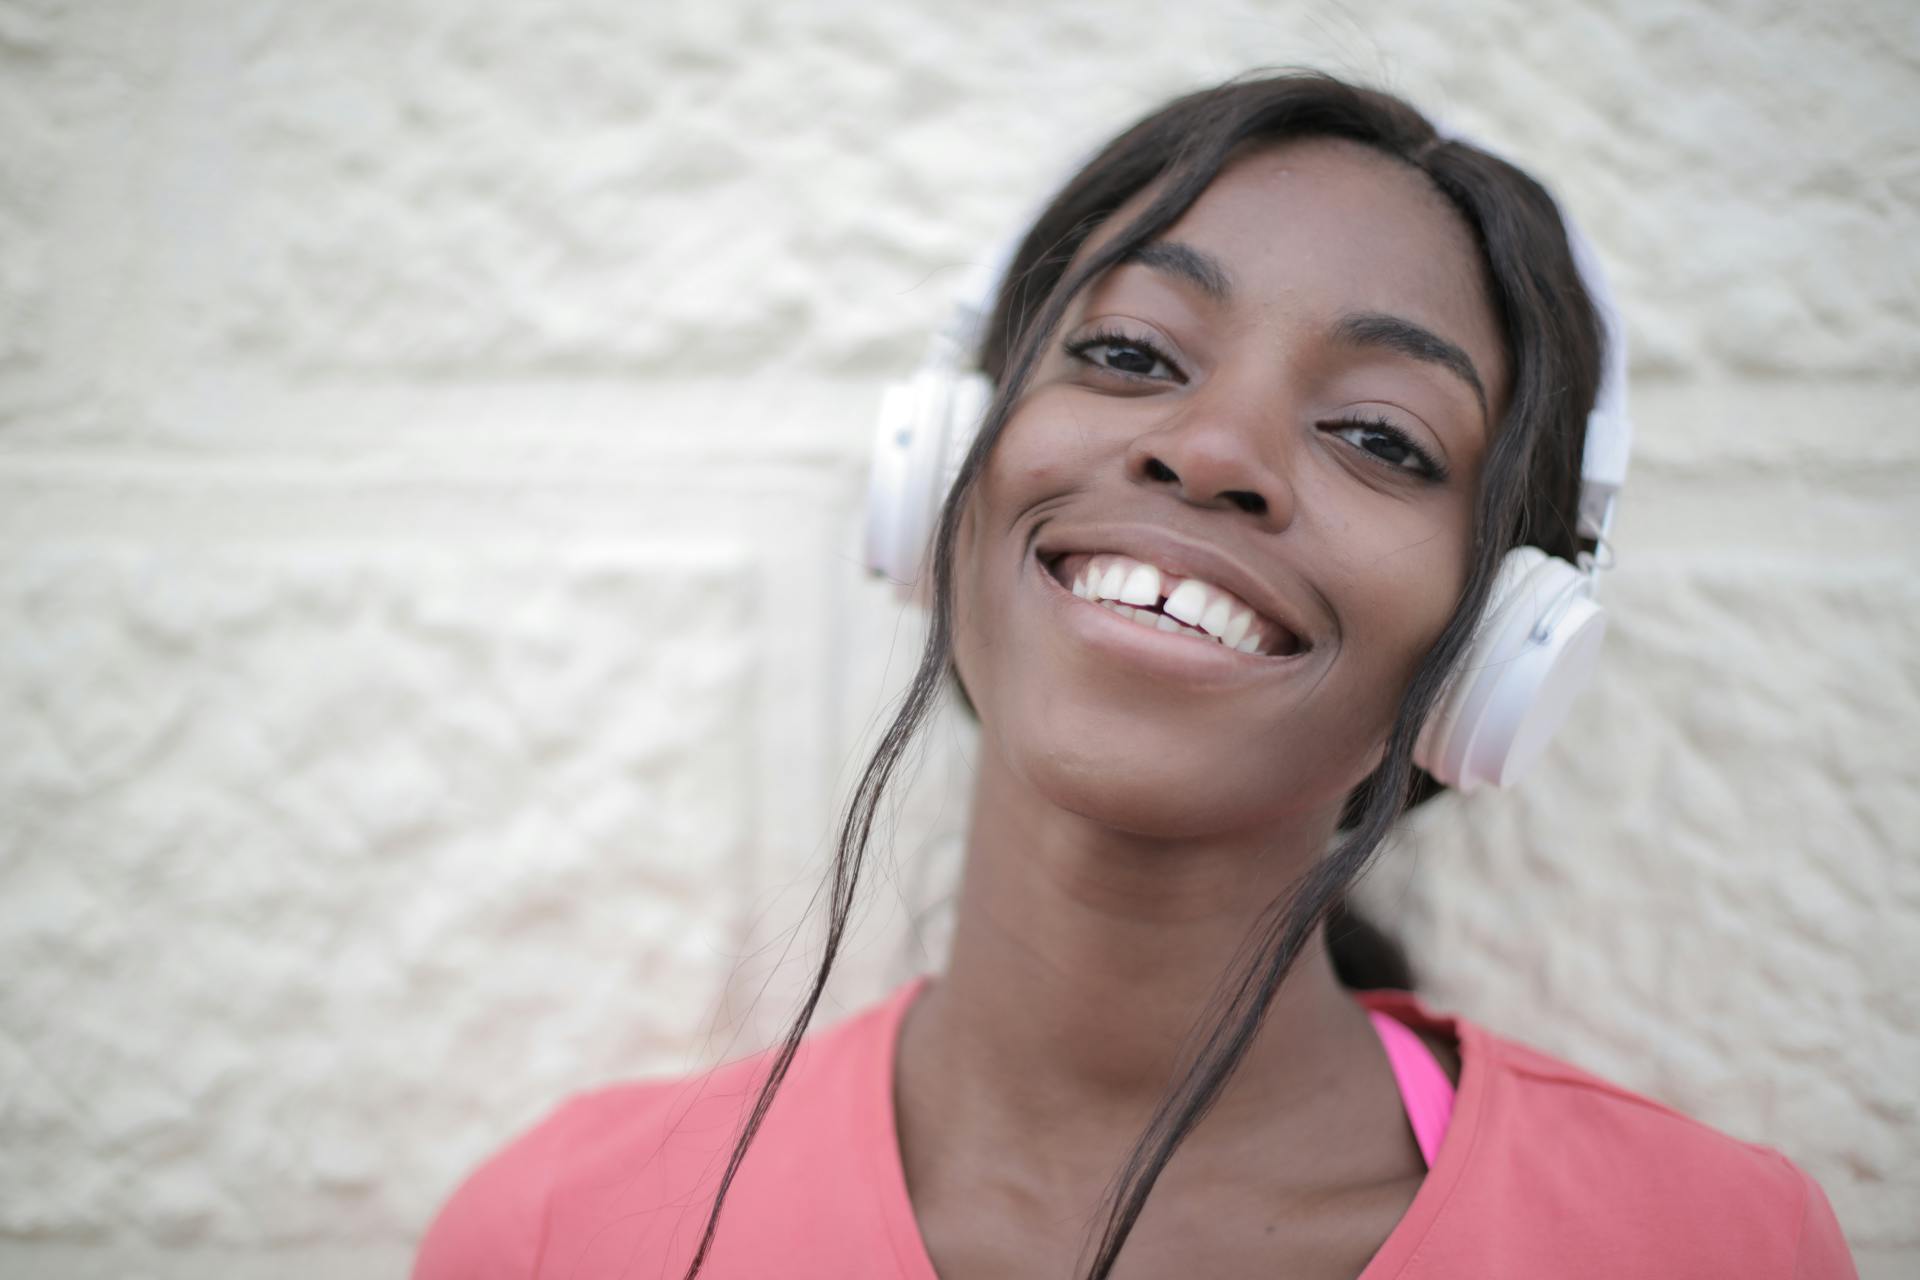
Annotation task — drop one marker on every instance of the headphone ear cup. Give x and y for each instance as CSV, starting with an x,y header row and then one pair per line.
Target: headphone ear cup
x,y
925,427
1517,681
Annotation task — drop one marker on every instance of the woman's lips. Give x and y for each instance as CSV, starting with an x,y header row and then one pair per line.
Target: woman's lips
x,y
1185,656
1157,599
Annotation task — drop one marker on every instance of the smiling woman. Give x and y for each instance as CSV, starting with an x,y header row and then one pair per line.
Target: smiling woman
x,y
1289,397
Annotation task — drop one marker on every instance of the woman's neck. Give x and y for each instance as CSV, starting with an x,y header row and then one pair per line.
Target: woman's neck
x,y
1082,960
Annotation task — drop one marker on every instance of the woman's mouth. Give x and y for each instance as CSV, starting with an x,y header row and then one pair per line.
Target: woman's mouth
x,y
1196,611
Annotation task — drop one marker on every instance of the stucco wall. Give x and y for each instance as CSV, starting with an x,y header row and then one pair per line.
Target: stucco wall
x,y
432,437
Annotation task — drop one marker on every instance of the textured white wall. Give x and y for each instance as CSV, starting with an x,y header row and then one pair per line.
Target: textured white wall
x,y
431,444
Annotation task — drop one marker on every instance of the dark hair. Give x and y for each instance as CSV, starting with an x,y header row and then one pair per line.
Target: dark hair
x,y
1529,491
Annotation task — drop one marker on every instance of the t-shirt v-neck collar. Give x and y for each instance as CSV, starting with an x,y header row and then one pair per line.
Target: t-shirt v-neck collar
x,y
879,1134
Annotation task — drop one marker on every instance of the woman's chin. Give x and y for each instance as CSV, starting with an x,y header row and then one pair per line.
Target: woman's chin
x,y
1144,778
1139,793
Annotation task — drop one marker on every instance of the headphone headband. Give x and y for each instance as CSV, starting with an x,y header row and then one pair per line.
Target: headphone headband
x,y
1609,438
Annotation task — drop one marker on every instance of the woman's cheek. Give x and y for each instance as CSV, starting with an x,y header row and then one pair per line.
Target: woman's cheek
x,y
1422,604
1390,583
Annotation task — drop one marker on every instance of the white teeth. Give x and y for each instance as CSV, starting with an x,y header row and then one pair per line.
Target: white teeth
x,y
1197,604
1158,621
1141,587
1121,583
1238,628
1188,601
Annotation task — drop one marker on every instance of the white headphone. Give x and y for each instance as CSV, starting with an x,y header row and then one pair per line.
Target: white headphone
x,y
1537,642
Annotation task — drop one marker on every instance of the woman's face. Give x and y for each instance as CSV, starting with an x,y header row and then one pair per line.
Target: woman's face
x,y
1287,400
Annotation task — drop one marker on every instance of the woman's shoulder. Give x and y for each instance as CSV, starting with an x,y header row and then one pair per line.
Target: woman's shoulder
x,y
1544,1141
661,1142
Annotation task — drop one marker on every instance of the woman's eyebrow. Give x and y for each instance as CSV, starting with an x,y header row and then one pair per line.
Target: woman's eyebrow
x,y
1395,333
1195,266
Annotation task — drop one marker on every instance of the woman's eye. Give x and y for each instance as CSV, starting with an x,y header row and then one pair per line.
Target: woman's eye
x,y
1117,353
1391,445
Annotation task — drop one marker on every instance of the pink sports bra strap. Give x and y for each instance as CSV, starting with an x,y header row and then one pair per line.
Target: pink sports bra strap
x,y
1425,1090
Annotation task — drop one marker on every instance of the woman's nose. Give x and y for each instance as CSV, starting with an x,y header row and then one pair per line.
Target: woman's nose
x,y
1213,463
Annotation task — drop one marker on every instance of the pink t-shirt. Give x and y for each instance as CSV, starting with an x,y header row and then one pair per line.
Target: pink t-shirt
x,y
1544,1170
